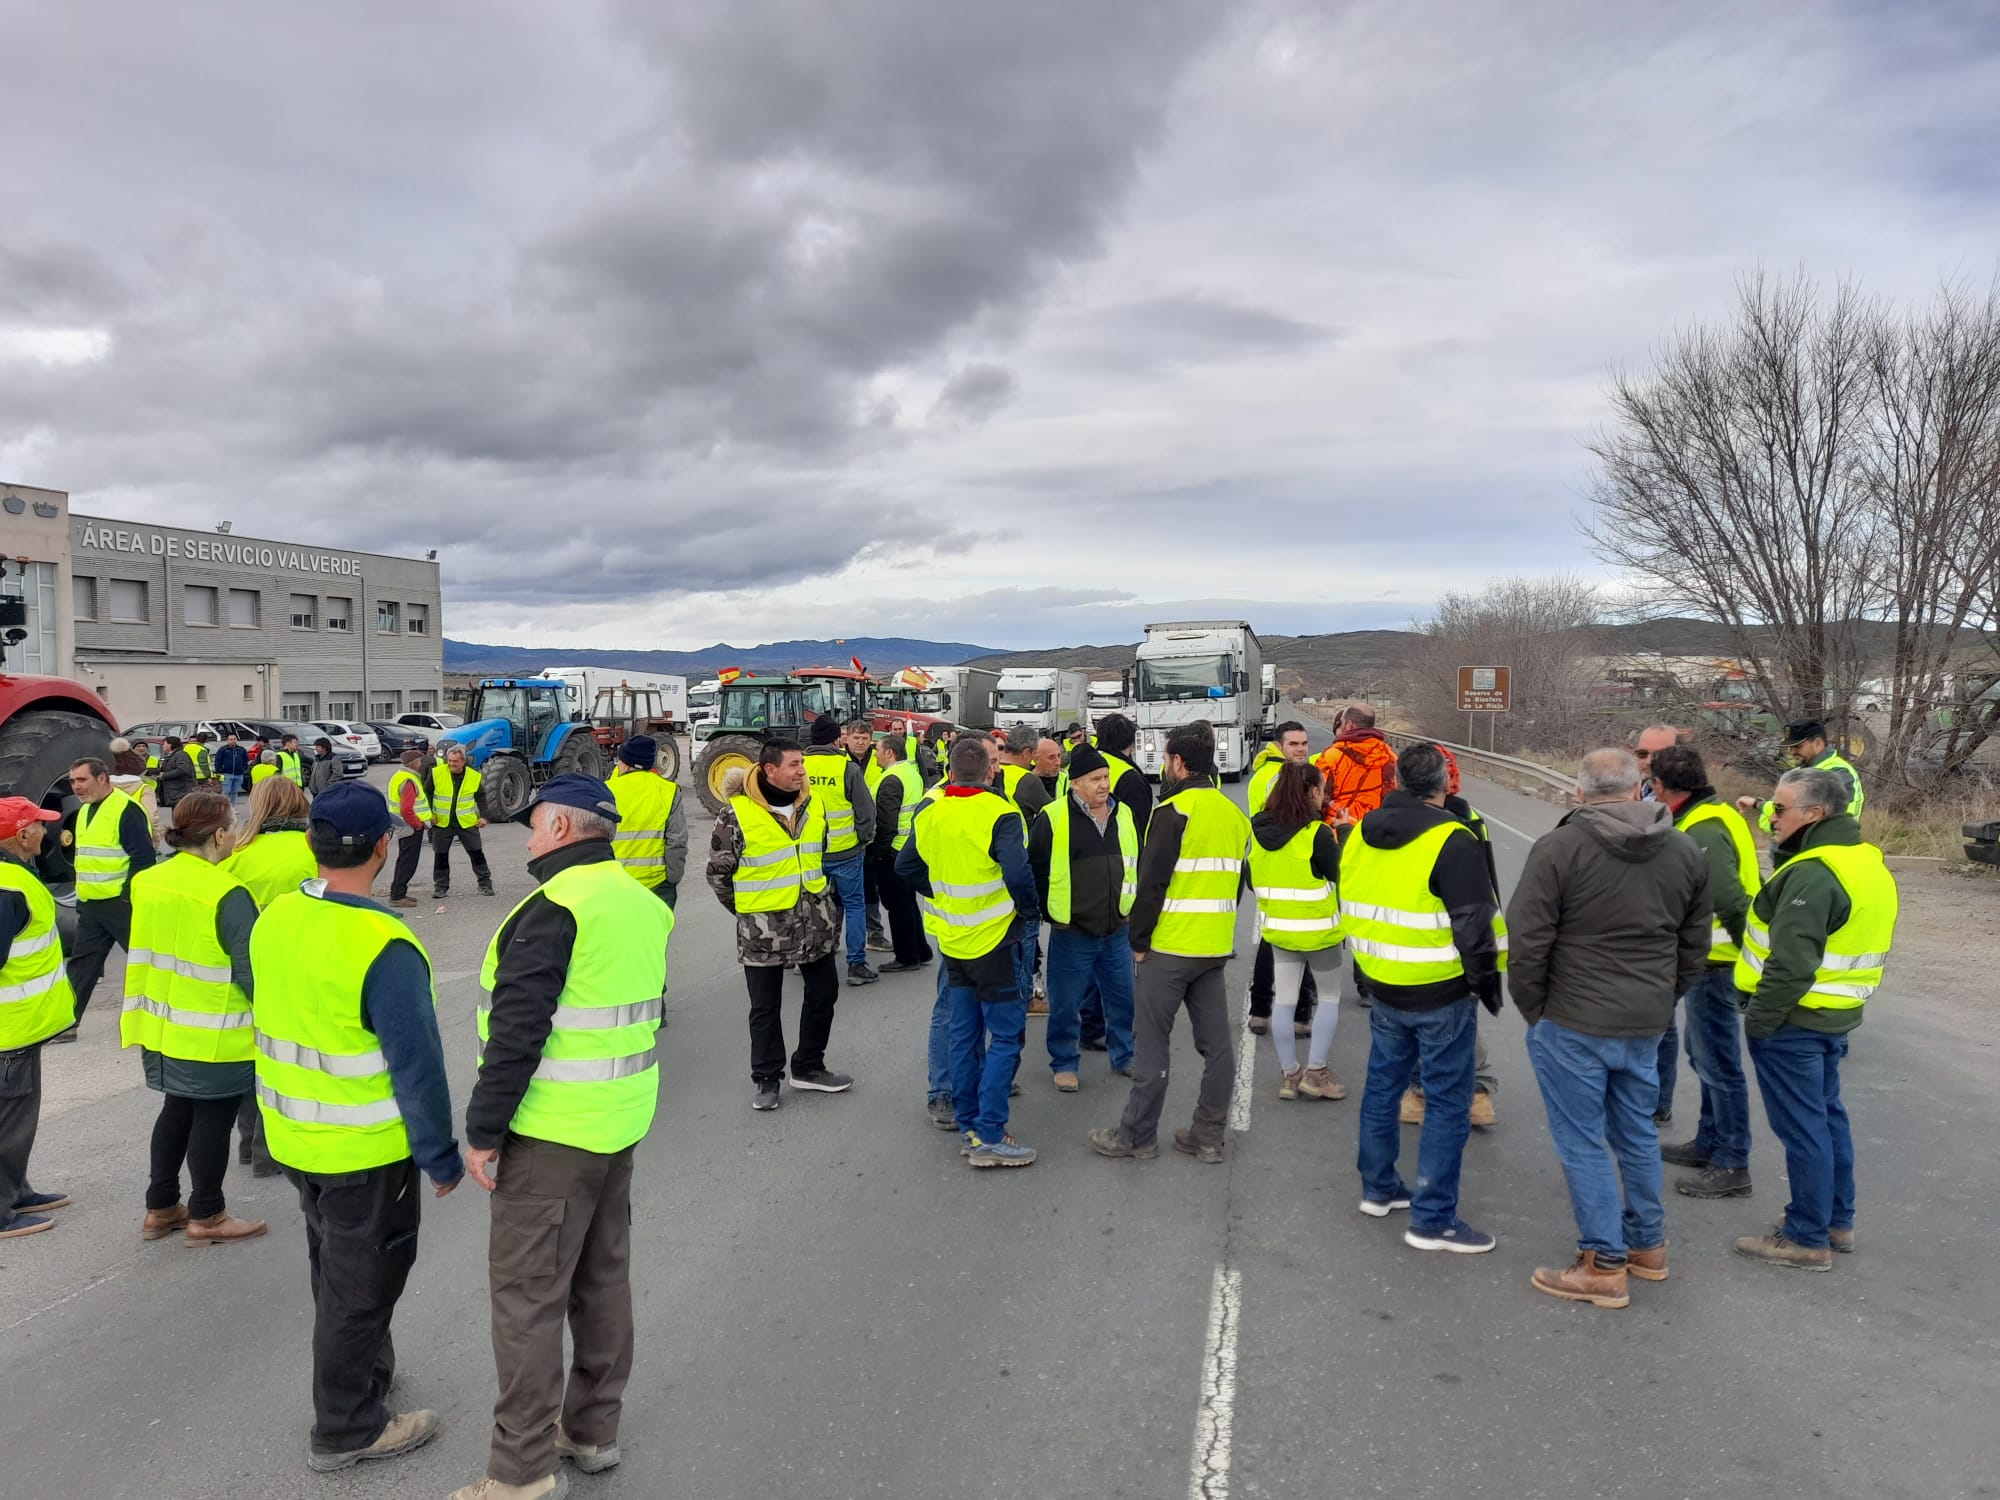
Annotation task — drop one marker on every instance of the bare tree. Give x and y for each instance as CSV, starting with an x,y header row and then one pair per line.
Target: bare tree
x,y
1544,629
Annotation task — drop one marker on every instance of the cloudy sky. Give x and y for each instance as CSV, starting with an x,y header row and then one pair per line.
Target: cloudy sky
x,y
1020,323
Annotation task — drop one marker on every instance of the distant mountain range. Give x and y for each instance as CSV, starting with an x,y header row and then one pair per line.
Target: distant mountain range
x,y
878,654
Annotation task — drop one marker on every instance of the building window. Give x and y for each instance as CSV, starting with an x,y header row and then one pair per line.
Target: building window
x,y
249,693
385,614
201,692
340,708
420,703
160,693
305,611
417,619
338,613
201,603
128,601
83,597
246,609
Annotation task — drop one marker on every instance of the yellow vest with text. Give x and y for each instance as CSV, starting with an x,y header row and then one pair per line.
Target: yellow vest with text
x,y
323,1085
1198,916
1722,948
645,801
1301,911
826,775
181,999
969,909
598,1082
1397,927
775,866
273,863
102,866
1850,968
404,775
1058,815
461,809
913,796
35,998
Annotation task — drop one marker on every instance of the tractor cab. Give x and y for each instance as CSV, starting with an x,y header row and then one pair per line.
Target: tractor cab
x,y
517,735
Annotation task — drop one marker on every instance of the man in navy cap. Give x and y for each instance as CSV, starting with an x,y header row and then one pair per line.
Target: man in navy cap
x,y
575,983
652,837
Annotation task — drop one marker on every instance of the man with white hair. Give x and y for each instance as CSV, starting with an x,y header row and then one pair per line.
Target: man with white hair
x,y
1607,928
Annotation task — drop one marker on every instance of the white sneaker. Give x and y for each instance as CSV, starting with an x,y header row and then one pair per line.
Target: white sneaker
x,y
1379,1210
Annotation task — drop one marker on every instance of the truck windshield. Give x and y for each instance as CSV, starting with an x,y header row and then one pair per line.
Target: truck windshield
x,y
1177,679
1022,700
701,698
761,708
838,696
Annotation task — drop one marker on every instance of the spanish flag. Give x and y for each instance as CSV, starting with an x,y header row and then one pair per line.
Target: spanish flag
x,y
728,675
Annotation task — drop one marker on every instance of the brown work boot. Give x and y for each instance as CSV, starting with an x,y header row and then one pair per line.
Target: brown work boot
x,y
1775,1250
1288,1083
1202,1151
1841,1241
221,1229
1413,1108
1111,1141
401,901
1482,1108
589,1458
1039,1006
1584,1281
1319,1083
1065,1083
1648,1265
161,1222
405,1431
550,1487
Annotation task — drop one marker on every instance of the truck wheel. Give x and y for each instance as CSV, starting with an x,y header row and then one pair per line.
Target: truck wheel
x,y
670,757
725,753
504,789
580,755
38,747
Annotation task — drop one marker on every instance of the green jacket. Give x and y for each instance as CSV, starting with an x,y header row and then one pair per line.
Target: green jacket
x,y
1725,886
1801,906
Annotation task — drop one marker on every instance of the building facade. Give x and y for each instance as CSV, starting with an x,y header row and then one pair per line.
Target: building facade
x,y
171,623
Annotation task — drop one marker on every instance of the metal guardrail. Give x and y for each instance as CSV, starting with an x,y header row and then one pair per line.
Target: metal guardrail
x,y
1555,781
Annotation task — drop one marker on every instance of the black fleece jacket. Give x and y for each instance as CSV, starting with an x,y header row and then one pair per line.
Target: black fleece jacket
x,y
1460,880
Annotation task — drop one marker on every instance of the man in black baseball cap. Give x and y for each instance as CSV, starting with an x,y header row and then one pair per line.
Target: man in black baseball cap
x,y
1807,743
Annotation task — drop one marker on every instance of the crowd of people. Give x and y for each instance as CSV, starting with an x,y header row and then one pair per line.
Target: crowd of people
x,y
268,989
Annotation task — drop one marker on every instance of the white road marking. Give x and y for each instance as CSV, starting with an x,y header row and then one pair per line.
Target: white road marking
x,y
1506,827
1215,1421
1246,1078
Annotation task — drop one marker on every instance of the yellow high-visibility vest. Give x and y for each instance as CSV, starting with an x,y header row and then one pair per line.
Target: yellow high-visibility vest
x,y
1397,928
1058,814
36,1000
1722,947
1850,968
1198,916
775,865
826,774
181,997
645,801
969,909
449,807
1301,911
103,868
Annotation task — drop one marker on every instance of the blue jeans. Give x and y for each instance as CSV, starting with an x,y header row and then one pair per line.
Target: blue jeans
x,y
232,787
940,1047
1798,1072
1667,1063
1715,1049
1599,1092
1079,964
1400,1042
988,1028
846,877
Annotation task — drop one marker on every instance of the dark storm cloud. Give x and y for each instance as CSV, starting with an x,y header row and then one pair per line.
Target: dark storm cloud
x,y
974,394
1192,328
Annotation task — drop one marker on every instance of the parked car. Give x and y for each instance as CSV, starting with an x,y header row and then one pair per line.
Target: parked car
x,y
351,732
396,738
430,721
352,762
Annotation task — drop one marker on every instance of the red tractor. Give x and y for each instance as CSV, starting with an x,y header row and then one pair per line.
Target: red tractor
x,y
46,723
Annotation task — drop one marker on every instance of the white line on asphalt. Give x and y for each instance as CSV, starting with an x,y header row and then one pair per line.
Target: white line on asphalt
x,y
1246,1077
1215,1422
87,1287
1506,827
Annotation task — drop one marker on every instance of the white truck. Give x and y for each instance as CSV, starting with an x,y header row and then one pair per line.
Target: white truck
x,y
1202,669
964,695
1107,696
704,700
582,685
1046,698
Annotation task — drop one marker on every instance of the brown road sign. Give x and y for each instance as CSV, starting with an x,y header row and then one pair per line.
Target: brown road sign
x,y
1484,690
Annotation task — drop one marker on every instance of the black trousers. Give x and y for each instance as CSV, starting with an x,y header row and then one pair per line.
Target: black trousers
x,y
100,925
899,905
20,1117
409,849
195,1131
767,1020
475,850
1261,988
361,1236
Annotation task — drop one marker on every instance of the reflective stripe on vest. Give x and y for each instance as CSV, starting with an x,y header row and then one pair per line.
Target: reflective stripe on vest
x,y
1721,946
1397,929
406,777
1058,814
292,767
322,1081
102,865
273,863
1301,912
774,865
1856,952
448,807
35,996
181,997
597,1083
826,774
969,909
645,803
913,795
1198,916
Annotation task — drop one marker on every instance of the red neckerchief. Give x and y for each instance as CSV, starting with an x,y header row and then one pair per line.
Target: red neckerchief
x,y
967,791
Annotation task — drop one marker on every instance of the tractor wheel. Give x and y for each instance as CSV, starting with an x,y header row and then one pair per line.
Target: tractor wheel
x,y
38,747
725,753
580,755
504,789
670,757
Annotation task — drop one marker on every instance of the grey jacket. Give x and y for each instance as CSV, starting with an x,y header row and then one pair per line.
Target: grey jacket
x,y
1609,922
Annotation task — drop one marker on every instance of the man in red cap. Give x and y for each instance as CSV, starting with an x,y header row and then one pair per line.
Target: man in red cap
x,y
35,1003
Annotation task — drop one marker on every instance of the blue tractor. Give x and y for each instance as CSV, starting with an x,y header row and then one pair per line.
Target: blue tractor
x,y
517,735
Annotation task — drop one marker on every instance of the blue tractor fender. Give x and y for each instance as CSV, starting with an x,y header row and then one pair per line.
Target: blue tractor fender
x,y
558,737
481,740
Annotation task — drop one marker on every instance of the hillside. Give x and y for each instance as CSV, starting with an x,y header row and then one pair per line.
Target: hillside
x,y
878,654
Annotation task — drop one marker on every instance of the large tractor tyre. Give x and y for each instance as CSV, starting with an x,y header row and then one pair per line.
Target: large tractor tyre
x,y
725,753
504,789
670,757
580,755
38,747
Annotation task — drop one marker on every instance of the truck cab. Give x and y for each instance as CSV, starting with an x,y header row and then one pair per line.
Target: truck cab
x,y
1201,669
518,733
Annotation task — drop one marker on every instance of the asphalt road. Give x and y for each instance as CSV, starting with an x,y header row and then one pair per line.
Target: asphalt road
x,y
831,1304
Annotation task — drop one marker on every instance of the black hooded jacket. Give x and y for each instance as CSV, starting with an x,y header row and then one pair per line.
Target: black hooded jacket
x,y
1460,880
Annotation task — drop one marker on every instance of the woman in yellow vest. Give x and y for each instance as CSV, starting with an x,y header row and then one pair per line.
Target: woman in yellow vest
x,y
36,1003
1295,876
272,853
187,1008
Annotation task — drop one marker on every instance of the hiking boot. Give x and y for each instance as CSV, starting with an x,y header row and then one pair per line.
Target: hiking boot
x,y
942,1112
1460,1239
1207,1152
821,1080
41,1203
966,1141
899,967
221,1229
161,1222
1038,1006
405,1432
861,974
1006,1152
1775,1250
1111,1141
589,1458
1648,1265
443,894
1288,1083
878,942
1482,1110
1715,1182
1412,1111
548,1487
1684,1154
1125,1072
1377,1208
16,1225
1065,1083
767,1096
1585,1281
485,888
1319,1083
401,901
1840,1241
